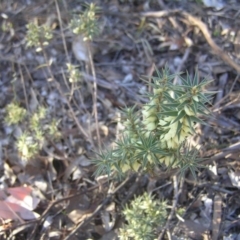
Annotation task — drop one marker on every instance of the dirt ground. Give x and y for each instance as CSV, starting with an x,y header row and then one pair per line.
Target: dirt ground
x,y
134,38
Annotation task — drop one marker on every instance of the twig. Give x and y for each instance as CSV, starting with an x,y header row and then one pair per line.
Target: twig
x,y
62,95
203,28
132,190
217,50
216,187
73,114
97,210
42,217
24,87
174,206
94,95
45,213
180,66
61,29
215,107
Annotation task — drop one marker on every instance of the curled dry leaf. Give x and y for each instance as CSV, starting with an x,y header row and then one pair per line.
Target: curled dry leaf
x,y
7,212
80,49
108,217
78,215
33,101
235,178
24,213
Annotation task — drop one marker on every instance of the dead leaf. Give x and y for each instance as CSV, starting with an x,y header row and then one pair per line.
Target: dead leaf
x,y
235,178
108,217
6,212
22,196
21,211
33,104
80,49
78,215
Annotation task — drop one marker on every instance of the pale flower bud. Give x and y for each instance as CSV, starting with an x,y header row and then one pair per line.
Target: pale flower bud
x,y
125,168
136,166
151,119
145,111
168,160
157,90
196,98
188,111
151,126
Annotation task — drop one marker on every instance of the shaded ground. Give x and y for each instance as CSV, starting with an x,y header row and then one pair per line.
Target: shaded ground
x,y
135,37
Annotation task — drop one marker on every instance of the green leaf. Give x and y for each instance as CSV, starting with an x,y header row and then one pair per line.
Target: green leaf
x,y
170,113
195,119
180,116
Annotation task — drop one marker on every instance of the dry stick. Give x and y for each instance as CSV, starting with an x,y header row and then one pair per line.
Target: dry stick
x,y
184,59
174,206
204,29
215,107
62,95
72,95
98,209
94,94
73,114
66,52
61,29
24,87
132,190
45,213
216,187
65,46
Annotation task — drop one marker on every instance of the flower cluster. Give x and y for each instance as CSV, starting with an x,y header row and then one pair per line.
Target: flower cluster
x,y
38,36
15,113
74,73
36,126
86,23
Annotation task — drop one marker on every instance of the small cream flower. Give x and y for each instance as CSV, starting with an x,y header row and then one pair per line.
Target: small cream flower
x,y
151,119
188,111
168,160
172,131
151,126
136,166
157,91
174,143
125,168
196,98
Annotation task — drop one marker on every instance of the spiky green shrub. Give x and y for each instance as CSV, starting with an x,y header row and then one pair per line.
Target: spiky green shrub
x,y
145,217
156,134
